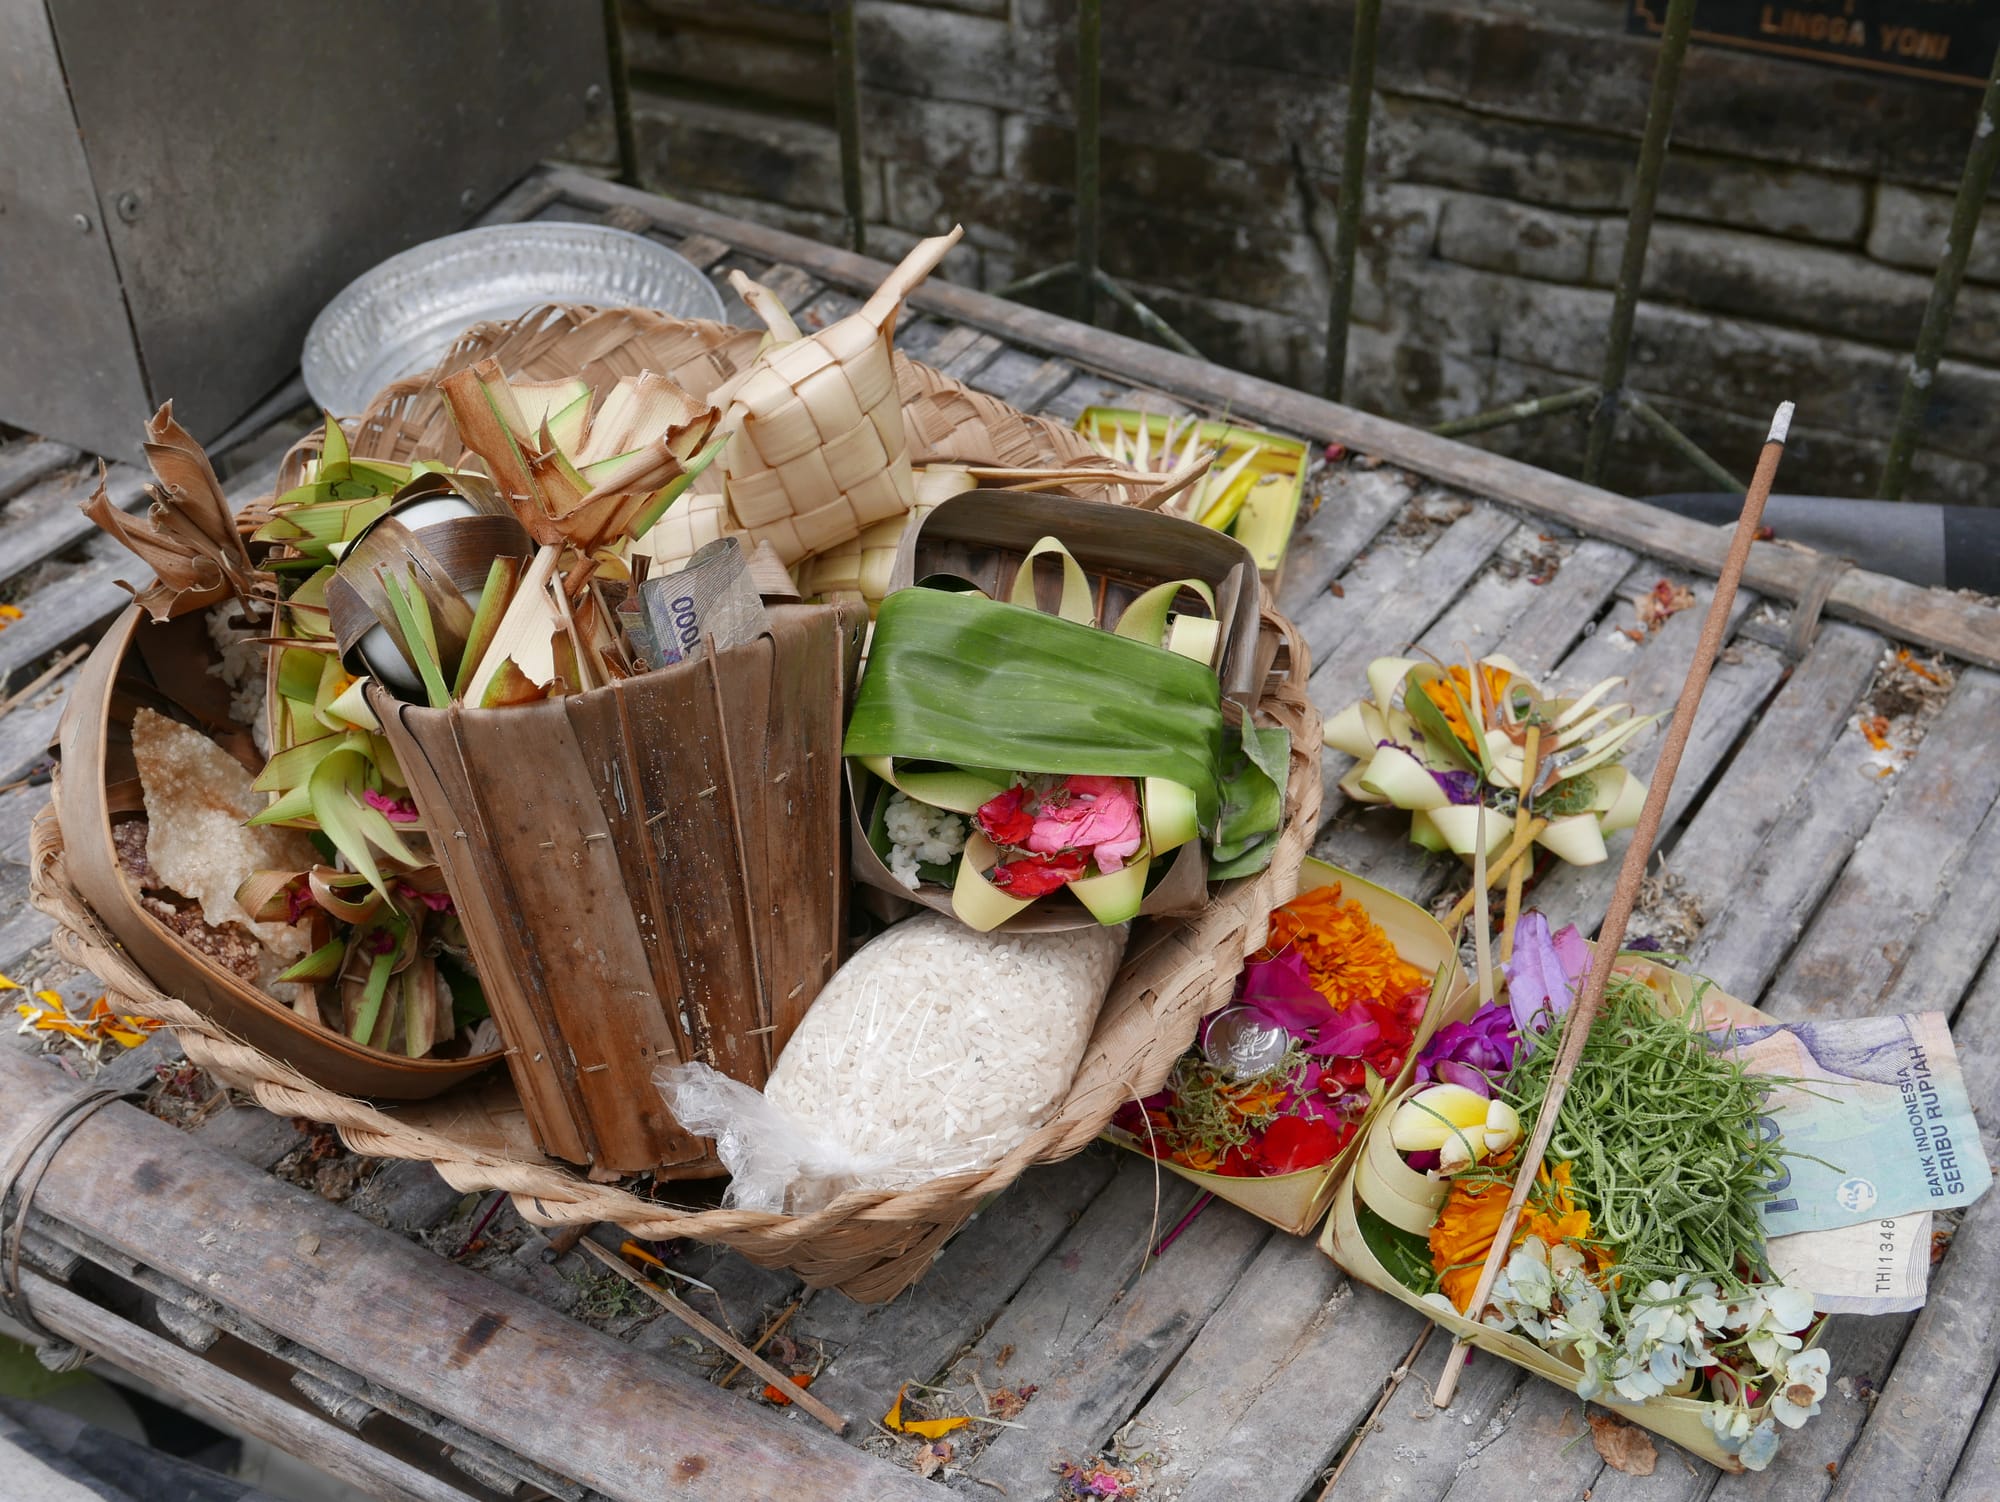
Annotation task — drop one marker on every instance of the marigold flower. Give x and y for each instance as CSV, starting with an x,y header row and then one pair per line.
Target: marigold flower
x,y
1470,1219
1348,958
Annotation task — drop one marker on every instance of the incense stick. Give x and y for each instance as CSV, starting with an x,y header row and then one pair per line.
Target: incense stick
x,y
1625,896
706,1327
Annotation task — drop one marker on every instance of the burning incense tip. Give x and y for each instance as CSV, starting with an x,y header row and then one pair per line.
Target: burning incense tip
x,y
1781,424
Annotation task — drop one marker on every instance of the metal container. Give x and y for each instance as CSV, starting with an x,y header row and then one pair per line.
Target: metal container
x,y
182,187
400,317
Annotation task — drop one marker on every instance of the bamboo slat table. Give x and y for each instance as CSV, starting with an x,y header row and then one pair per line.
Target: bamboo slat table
x,y
370,1322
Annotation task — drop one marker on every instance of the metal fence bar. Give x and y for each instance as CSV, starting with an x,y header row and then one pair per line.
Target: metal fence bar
x,y
847,120
621,96
1638,231
1353,171
1525,410
1972,189
1679,442
1089,125
1150,321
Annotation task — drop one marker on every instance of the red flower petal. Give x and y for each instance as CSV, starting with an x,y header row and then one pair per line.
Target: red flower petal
x,y
1004,821
1293,1143
1038,875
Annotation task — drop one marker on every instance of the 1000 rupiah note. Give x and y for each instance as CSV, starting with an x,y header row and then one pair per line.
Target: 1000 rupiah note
x,y
1877,1126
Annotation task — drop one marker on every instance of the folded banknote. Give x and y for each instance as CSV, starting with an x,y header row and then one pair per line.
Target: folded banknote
x,y
1878,1125
1875,1267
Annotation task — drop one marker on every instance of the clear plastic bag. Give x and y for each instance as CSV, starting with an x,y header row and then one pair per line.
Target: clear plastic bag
x,y
936,1050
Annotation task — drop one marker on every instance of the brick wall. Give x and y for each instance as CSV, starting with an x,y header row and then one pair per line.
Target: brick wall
x,y
1801,213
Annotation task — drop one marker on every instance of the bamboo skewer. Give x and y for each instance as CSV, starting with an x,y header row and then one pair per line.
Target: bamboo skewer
x,y
1631,874
703,1326
1530,755
1522,842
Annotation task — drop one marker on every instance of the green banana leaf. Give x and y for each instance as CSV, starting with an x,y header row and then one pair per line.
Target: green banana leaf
x,y
1253,802
962,679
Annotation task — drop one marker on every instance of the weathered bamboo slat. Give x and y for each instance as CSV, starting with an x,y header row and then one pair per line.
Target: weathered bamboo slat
x,y
1791,871
1268,1393
1096,1262
1128,1351
57,519
1355,505
1363,628
629,1426
234,1401
1794,731
27,460
1898,874
880,1346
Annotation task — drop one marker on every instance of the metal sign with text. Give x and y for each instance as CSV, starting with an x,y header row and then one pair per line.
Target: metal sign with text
x,y
1947,41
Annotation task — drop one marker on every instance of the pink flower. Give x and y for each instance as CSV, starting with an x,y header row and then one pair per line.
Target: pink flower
x,y
395,810
1099,815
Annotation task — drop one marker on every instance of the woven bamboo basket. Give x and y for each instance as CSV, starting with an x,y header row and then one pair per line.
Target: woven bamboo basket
x,y
870,1245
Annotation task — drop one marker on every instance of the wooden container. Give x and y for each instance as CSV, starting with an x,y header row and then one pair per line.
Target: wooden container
x,y
647,873
979,538
1409,1201
1295,1202
165,666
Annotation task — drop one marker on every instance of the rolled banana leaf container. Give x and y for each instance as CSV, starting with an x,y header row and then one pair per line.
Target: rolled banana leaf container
x,y
648,873
1390,1191
1295,1202
983,540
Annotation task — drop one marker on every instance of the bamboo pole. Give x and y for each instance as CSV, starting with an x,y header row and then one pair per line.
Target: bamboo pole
x,y
1630,875
847,121
1638,232
1347,209
1980,164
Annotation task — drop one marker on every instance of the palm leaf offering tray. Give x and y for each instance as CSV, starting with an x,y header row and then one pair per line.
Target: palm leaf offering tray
x,y
1718,1182
1254,481
540,691
1270,1107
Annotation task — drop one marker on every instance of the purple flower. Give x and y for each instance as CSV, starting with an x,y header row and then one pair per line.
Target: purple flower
x,y
1472,1054
1645,944
1461,787
1543,975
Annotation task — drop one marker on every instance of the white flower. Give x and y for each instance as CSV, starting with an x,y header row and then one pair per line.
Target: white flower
x,y
1528,1271
1768,1315
1802,1383
1729,1423
1790,1308
1631,1379
1662,1317
920,835
1709,1311
1761,1448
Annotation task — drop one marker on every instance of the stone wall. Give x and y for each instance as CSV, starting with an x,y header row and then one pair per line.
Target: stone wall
x,y
1800,216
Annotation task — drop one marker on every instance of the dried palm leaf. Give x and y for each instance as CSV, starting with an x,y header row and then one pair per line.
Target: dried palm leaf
x,y
188,535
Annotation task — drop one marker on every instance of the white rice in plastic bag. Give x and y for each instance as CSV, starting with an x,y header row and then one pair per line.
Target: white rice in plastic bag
x,y
936,1050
